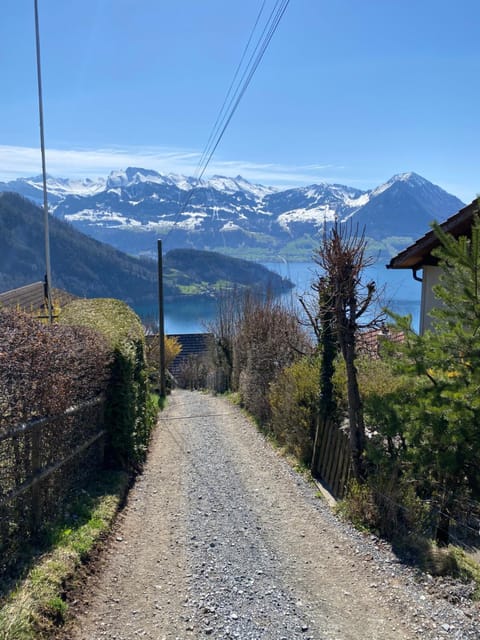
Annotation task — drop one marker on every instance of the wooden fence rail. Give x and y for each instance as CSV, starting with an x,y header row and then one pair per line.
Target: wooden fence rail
x,y
24,427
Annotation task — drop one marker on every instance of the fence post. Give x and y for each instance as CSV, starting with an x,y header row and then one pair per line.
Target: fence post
x,y
36,493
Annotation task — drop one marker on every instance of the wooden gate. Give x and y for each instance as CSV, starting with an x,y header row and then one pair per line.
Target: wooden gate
x,y
333,461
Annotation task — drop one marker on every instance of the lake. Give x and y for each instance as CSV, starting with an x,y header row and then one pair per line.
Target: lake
x,y
400,293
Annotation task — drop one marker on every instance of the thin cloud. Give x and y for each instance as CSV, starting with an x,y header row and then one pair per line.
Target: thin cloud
x,y
82,163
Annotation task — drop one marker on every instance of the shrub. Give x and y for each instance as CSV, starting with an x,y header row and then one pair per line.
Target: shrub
x,y
387,503
193,372
45,369
268,338
172,350
293,401
388,506
128,417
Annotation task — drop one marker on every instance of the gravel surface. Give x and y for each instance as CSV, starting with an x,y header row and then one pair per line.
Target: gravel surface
x,y
221,538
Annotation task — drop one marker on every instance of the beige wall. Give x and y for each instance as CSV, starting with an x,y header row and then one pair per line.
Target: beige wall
x,y
430,278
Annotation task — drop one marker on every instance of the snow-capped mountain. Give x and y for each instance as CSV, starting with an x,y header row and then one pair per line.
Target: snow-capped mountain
x,y
405,206
132,208
58,188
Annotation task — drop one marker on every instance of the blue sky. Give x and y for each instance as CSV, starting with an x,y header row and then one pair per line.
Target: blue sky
x,y
349,91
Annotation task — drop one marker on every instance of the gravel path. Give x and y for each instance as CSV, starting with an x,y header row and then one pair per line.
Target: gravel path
x,y
221,538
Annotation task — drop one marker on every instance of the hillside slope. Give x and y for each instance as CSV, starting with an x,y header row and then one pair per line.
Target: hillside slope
x,y
208,272
80,264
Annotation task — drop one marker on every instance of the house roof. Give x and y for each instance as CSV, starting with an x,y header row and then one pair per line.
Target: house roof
x,y
418,254
31,297
193,344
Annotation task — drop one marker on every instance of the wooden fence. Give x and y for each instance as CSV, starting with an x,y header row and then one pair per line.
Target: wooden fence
x,y
333,462
40,462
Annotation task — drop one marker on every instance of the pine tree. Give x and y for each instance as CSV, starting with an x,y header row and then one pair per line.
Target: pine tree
x,y
443,430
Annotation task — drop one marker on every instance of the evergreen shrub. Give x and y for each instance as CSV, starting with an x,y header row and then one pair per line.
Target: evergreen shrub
x,y
386,503
130,414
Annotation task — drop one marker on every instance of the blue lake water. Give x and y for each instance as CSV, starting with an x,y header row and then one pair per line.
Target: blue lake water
x,y
399,292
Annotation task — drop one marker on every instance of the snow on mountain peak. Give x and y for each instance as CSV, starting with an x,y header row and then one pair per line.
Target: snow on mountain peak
x,y
137,197
222,183
136,175
63,187
233,185
410,178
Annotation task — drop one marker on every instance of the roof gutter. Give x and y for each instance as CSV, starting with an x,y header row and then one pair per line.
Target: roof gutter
x,y
414,274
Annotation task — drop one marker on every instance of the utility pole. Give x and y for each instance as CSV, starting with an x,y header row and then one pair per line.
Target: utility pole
x,y
161,325
48,277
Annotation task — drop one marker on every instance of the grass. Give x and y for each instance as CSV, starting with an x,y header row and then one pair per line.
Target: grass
x,y
37,605
438,561
160,401
414,548
468,569
303,469
233,397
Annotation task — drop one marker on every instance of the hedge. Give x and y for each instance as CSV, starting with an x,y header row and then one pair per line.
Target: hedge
x,y
45,369
130,416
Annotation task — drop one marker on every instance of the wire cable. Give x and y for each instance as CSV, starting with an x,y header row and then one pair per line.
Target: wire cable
x,y
254,61
230,89
233,102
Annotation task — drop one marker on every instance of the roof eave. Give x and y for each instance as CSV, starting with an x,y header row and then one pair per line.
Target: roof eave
x,y
418,254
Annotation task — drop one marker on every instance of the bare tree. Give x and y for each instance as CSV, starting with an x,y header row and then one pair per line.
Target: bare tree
x,y
343,299
268,338
224,328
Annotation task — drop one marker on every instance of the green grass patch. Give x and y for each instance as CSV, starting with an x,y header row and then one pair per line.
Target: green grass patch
x,y
468,569
233,397
37,604
158,401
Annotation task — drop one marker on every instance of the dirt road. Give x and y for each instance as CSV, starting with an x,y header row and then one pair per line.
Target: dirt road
x,y
221,538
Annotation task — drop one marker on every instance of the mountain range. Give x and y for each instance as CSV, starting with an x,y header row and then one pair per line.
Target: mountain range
x,y
131,209
86,267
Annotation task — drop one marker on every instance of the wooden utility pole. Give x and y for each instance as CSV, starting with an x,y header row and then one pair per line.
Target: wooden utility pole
x,y
48,276
161,325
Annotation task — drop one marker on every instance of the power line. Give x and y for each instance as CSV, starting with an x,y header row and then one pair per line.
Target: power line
x,y
233,97
261,48
230,89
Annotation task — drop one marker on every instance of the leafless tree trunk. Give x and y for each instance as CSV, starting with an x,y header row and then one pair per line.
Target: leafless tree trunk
x,y
342,259
224,329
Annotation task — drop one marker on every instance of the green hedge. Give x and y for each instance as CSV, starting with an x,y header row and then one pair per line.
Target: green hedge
x,y
130,415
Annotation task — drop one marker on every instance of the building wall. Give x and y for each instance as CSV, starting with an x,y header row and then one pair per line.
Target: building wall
x,y
430,278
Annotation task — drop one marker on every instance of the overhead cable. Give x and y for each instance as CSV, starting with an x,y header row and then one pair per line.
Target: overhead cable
x,y
220,116
235,95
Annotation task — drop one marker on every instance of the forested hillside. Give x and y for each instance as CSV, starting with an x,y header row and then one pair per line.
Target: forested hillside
x,y
207,272
80,264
